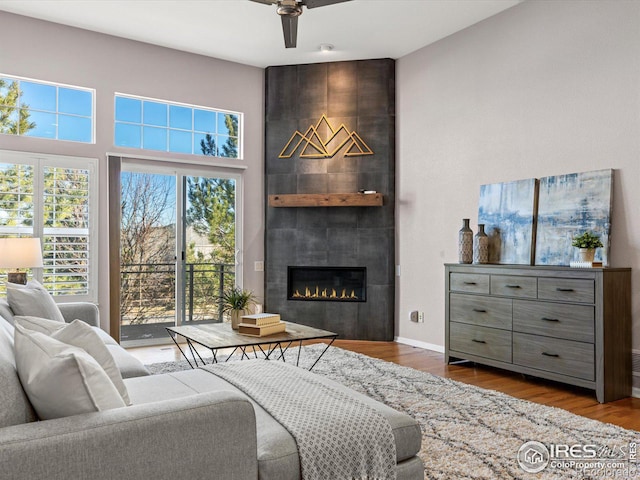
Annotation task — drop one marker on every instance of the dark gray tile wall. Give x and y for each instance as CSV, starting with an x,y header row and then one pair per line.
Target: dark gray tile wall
x,y
360,94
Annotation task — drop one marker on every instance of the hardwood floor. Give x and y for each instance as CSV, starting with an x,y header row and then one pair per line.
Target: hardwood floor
x,y
625,412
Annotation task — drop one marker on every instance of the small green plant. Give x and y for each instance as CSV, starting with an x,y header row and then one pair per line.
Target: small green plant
x,y
236,299
587,240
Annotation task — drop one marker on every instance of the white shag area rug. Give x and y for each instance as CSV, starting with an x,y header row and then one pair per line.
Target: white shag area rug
x,y
472,433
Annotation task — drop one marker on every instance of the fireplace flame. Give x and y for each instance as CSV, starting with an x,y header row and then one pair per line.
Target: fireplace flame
x,y
333,294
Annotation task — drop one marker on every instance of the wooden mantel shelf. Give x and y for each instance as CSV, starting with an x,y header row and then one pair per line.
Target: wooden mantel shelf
x,y
326,200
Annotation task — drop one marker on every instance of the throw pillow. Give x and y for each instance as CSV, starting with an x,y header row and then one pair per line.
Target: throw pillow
x,y
82,335
61,380
6,329
38,324
34,300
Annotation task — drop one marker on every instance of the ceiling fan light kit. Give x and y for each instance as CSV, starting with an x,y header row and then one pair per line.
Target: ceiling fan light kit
x,y
290,10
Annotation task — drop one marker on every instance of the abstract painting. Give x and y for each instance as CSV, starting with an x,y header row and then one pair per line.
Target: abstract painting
x,y
507,211
568,206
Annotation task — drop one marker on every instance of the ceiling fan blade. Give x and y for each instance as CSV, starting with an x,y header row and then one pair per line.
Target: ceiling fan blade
x,y
265,2
290,30
320,3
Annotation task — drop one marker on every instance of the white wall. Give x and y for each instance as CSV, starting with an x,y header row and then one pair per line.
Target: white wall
x,y
47,51
544,88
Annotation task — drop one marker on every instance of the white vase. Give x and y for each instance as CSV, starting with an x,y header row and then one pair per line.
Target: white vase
x,y
236,316
587,254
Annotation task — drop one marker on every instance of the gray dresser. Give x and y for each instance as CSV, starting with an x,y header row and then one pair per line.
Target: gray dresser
x,y
565,324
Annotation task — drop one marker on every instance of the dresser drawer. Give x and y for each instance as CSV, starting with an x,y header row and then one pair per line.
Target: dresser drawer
x,y
566,290
481,341
483,311
514,286
571,322
469,282
566,357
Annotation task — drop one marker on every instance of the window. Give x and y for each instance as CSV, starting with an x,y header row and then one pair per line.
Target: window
x,y
46,110
53,198
171,127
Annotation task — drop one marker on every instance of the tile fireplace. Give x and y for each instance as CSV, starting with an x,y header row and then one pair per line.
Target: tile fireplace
x,y
331,266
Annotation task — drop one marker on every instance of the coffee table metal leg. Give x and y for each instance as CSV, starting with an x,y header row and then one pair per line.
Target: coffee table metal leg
x,y
194,352
270,349
299,350
231,354
285,350
277,346
173,337
323,352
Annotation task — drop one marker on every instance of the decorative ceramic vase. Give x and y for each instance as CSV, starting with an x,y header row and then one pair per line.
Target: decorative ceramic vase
x,y
236,316
587,254
481,246
465,243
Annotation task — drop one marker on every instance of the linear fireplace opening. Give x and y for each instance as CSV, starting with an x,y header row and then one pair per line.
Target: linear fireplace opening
x,y
329,284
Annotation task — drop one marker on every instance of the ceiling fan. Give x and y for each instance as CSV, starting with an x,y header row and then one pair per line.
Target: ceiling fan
x,y
290,10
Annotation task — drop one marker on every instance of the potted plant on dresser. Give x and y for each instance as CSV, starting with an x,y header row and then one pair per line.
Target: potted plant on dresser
x,y
587,244
236,302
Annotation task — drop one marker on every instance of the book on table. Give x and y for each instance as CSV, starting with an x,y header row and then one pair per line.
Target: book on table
x,y
261,330
260,319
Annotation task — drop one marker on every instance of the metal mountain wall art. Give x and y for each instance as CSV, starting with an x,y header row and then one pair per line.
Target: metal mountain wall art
x,y
322,140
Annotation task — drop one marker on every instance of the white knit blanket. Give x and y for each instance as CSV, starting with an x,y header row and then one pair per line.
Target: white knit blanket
x,y
338,436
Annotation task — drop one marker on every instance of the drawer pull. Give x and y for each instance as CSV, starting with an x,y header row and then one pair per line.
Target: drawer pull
x,y
478,341
470,283
547,319
559,289
480,310
555,355
513,286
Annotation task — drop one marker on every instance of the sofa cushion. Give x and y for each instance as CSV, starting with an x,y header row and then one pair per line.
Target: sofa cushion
x,y
79,334
277,450
128,365
61,380
32,299
5,311
15,407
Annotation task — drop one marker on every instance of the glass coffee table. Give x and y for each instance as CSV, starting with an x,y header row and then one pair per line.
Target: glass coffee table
x,y
215,336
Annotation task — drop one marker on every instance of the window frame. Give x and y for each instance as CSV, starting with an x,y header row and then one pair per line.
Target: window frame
x,y
39,162
168,128
57,85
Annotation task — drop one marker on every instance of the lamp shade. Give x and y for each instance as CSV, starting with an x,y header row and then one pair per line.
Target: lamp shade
x,y
20,253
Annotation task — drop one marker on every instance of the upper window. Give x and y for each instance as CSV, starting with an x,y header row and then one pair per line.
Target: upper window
x,y
172,127
46,110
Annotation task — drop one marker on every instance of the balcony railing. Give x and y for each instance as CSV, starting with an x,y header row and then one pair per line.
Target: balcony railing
x,y
148,293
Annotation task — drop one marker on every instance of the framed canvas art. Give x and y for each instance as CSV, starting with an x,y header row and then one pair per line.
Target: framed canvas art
x,y
569,205
508,212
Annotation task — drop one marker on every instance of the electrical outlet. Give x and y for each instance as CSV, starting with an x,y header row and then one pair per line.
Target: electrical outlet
x,y
413,316
420,317
258,266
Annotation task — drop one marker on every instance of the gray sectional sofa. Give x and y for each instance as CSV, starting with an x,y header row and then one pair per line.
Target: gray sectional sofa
x,y
188,424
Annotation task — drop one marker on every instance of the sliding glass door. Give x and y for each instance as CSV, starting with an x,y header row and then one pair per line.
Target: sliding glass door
x,y
179,248
209,232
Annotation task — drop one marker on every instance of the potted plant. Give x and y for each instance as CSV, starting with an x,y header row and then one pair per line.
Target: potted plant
x,y
236,303
587,244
